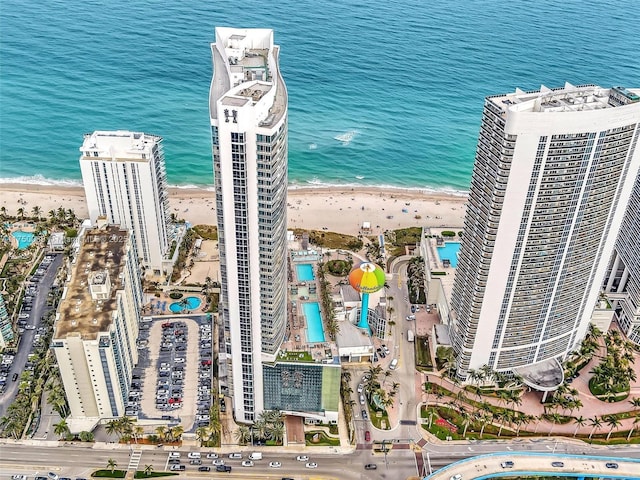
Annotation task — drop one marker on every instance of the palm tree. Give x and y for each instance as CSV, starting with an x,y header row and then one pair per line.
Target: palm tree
x,y
277,432
61,428
138,432
555,418
613,422
243,435
596,423
36,211
633,427
635,402
148,469
387,374
20,213
261,428
176,432
111,464
580,422
161,431
113,426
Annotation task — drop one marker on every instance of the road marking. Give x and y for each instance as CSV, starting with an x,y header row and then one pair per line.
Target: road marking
x,y
134,460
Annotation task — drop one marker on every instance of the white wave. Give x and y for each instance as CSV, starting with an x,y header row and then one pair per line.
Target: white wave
x,y
192,186
316,183
347,137
42,180
359,177
313,146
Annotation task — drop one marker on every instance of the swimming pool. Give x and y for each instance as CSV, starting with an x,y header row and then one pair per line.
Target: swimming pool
x,y
188,303
315,333
305,272
450,252
24,239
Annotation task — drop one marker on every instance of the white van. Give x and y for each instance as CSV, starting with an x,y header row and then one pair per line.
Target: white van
x,y
393,364
255,456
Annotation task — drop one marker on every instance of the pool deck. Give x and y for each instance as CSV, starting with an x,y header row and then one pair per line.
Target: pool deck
x,y
300,292
153,305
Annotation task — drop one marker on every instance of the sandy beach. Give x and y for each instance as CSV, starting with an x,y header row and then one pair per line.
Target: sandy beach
x,y
341,210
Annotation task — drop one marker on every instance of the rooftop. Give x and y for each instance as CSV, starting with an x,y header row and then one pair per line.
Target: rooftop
x,y
102,250
119,145
569,98
351,336
544,376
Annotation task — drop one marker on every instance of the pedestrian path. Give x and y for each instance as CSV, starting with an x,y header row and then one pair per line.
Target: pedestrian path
x,y
134,460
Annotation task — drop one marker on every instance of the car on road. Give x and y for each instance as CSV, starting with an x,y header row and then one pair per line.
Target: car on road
x,y
457,476
364,415
18,477
394,364
557,464
311,465
247,463
361,399
235,456
218,462
302,458
212,455
53,476
174,461
367,436
411,317
195,461
223,468
371,466
275,464
174,454
507,464
180,468
193,455
611,465
204,469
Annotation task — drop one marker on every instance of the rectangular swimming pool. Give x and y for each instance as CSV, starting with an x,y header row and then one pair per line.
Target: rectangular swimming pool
x,y
449,252
315,332
305,272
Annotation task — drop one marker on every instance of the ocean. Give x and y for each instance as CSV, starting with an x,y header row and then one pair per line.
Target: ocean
x,y
381,93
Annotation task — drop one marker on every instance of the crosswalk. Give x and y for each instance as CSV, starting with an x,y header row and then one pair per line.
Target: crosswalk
x,y
134,460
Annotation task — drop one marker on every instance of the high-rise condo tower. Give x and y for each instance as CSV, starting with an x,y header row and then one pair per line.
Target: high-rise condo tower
x,y
248,110
553,174
125,182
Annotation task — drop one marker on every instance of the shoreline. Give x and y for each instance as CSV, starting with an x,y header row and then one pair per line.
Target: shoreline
x,y
330,208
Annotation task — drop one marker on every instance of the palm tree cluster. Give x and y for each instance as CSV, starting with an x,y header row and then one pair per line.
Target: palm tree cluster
x,y
373,387
416,280
62,217
126,429
185,248
347,402
268,426
330,322
20,414
616,370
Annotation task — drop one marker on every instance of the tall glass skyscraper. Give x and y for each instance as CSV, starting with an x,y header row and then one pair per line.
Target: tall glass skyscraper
x,y
553,174
248,110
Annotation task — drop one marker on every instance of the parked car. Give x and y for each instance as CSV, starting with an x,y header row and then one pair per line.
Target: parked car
x,y
611,465
204,469
180,468
174,454
557,464
507,464
195,461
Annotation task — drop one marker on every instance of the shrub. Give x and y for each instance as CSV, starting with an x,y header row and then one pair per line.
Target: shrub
x,y
448,233
460,234
338,268
175,295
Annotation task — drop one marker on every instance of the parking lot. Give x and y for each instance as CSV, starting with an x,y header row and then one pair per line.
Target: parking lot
x,y
173,381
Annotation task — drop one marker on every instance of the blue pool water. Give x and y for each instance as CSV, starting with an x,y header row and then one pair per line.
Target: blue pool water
x,y
315,333
192,304
305,272
25,239
450,252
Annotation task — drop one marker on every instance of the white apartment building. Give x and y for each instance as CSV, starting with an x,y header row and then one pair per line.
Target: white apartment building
x,y
96,326
622,286
125,182
553,174
248,110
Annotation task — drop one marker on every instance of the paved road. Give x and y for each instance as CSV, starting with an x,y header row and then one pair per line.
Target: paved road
x,y
39,307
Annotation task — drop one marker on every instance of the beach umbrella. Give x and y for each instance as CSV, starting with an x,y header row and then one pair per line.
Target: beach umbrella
x,y
366,278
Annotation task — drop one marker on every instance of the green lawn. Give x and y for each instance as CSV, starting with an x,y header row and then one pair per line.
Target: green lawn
x,y
324,440
423,355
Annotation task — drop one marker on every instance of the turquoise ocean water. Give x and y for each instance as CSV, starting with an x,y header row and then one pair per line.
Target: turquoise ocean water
x,y
381,93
